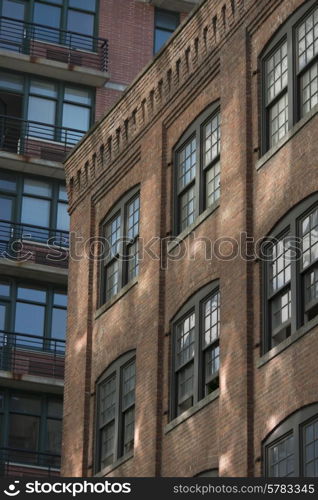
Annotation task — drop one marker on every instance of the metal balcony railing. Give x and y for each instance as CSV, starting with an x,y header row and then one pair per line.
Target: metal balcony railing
x,y
25,354
16,462
25,137
53,43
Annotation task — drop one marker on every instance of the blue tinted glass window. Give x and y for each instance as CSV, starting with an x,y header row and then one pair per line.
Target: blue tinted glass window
x,y
29,318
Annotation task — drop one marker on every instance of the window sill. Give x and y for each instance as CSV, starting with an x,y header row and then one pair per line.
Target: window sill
x,y
192,411
116,464
177,239
287,342
290,134
116,298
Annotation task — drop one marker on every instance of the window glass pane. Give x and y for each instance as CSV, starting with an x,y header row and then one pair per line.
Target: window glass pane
x,y
63,193
55,408
13,9
276,72
76,117
310,239
24,434
133,218
133,260
308,39
37,213
112,280
1,401
187,164
107,444
50,16
58,324
212,362
60,299
3,316
211,319
310,440
43,88
63,218
161,36
39,108
6,212
113,235
107,400
29,318
309,84
10,81
7,183
128,394
54,436
83,4
187,208
79,22
311,286
25,404
281,458
278,120
4,289
39,188
167,19
213,182
280,264
79,96
129,430
211,141
32,294
185,340
281,311
185,388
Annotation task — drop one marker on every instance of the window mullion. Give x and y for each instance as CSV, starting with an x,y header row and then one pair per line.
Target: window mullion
x,y
196,361
122,248
117,416
199,173
294,285
292,81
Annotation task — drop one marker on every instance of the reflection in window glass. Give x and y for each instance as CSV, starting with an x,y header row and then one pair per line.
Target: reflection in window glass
x,y
63,218
39,188
36,212
54,436
24,432
76,117
43,88
80,96
29,318
59,324
32,294
79,22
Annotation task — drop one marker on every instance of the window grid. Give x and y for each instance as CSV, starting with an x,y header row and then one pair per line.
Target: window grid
x,y
278,120
185,340
309,85
121,260
310,438
307,35
213,184
280,264
187,208
115,412
281,458
212,139
187,164
310,239
276,72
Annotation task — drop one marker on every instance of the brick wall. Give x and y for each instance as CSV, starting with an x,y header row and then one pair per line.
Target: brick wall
x,y
225,40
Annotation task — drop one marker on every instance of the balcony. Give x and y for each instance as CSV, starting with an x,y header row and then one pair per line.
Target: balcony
x,y
51,52
24,243
36,139
25,354
175,5
23,463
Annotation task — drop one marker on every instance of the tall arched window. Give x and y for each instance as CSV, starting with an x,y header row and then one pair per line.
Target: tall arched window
x,y
197,168
291,273
292,449
115,422
290,74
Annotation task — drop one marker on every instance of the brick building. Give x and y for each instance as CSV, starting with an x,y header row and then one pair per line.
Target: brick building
x,y
192,321
63,63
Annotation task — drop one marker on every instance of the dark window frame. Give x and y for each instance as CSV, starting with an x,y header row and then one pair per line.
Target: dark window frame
x,y
287,32
292,425
289,225
195,130
19,194
200,390
161,27
43,415
125,244
115,370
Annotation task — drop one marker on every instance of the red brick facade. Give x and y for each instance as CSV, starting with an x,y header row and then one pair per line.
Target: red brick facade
x,y
225,39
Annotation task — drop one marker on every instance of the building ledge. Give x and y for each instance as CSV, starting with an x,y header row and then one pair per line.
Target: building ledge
x,y
32,270
275,351
116,464
31,382
116,298
192,411
52,69
31,165
175,5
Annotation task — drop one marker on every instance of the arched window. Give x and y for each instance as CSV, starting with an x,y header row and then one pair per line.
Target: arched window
x,y
292,449
120,232
115,412
290,74
197,169
291,273
196,354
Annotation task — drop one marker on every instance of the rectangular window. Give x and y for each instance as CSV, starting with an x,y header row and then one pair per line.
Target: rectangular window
x,y
310,451
166,22
107,420
185,350
309,234
128,407
281,458
210,342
